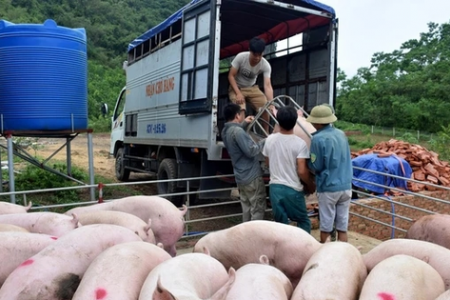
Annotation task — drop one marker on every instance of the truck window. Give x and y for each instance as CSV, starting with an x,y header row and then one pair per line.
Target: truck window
x,y
120,105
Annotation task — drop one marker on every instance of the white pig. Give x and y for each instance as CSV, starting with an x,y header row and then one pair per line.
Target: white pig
x,y
17,247
287,247
167,219
191,276
444,296
431,228
42,222
402,277
10,208
335,271
119,272
55,272
138,226
436,256
298,131
260,281
10,227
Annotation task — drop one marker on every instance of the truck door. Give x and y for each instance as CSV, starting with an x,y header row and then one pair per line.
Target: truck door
x,y
118,120
333,62
197,58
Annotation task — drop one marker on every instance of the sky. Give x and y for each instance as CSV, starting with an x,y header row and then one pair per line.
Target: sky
x,y
370,26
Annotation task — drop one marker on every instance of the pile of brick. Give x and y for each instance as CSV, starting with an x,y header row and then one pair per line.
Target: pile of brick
x,y
425,164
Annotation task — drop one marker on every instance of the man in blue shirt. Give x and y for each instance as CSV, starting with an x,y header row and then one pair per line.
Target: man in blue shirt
x,y
331,161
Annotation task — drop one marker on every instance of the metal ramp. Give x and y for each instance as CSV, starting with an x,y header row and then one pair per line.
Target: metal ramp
x,y
256,128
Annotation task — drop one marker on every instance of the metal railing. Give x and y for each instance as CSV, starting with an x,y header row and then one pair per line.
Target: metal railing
x,y
188,193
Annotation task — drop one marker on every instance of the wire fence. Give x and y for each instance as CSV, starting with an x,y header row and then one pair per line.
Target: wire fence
x,y
394,132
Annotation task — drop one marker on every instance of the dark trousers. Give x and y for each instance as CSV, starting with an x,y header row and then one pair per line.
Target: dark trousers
x,y
288,203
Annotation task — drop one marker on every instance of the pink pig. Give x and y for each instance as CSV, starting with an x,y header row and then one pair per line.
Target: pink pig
x,y
119,272
135,224
17,247
288,248
10,227
444,296
192,276
42,222
167,219
436,256
402,277
431,228
260,281
335,271
10,208
55,272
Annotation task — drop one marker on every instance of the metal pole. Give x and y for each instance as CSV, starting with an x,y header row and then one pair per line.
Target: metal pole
x,y
11,168
68,157
188,214
91,165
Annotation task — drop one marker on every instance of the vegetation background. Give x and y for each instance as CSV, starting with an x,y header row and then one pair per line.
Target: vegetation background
x,y
407,88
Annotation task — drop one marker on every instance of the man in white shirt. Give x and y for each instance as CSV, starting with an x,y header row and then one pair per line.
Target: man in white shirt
x,y
244,71
286,156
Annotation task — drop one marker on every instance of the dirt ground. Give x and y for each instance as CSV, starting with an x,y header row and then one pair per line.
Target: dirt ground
x,y
104,166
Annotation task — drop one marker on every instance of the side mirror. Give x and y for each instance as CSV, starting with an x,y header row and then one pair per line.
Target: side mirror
x,y
104,109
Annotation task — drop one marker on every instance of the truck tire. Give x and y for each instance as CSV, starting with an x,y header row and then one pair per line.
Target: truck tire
x,y
168,169
122,174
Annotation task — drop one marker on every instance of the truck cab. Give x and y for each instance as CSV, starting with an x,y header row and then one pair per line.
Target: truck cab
x,y
167,120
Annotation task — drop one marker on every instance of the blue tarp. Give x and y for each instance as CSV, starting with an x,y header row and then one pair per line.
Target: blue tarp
x,y
179,14
390,165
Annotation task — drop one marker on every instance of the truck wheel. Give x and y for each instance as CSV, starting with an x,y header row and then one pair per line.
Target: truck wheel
x,y
168,169
121,173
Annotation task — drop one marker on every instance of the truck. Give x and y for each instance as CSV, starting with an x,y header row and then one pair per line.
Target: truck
x,y
168,118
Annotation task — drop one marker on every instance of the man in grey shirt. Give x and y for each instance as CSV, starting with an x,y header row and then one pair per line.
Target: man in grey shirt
x,y
244,71
247,168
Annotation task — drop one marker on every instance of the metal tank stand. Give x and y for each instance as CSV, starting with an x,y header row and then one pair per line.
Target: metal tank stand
x,y
18,150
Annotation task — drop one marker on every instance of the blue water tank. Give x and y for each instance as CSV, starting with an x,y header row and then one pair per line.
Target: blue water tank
x,y
43,77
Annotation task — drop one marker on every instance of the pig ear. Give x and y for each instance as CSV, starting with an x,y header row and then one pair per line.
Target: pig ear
x,y
222,293
183,210
75,219
148,226
206,251
160,245
263,259
161,293
28,206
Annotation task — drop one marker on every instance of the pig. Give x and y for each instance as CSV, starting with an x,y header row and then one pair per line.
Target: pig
x,y
335,271
444,296
17,247
10,227
288,248
42,222
260,281
55,272
142,229
119,272
402,277
10,208
431,228
436,256
298,131
192,276
167,219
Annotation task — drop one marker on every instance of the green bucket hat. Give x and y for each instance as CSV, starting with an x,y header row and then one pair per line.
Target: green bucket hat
x,y
321,114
